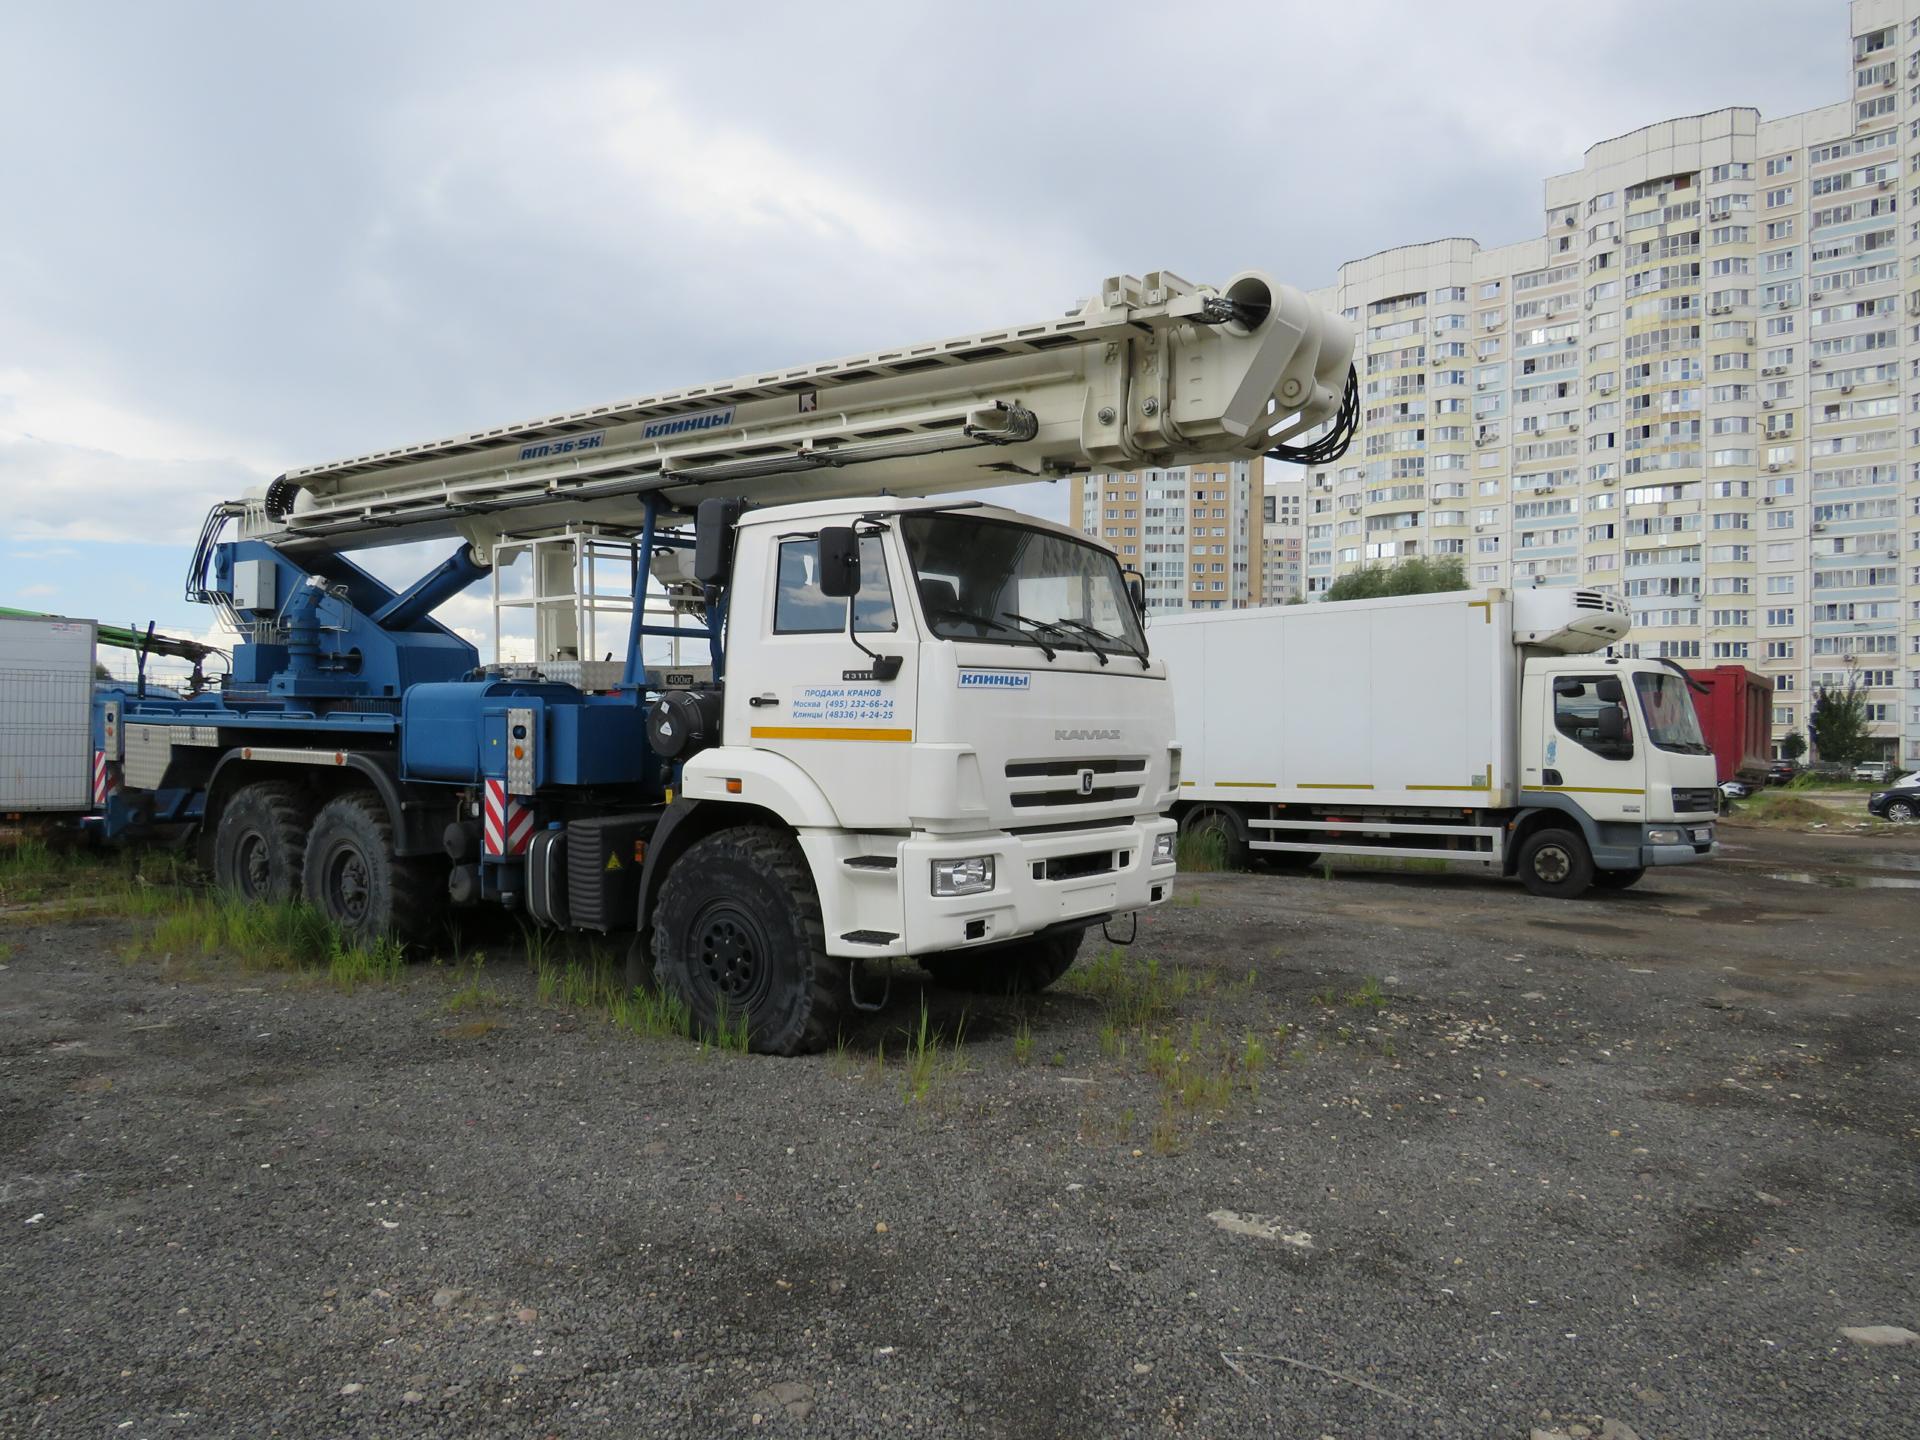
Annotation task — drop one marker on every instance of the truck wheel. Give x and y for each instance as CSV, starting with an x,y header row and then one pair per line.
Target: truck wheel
x,y
1619,879
261,840
353,878
1215,831
1555,863
1025,967
738,927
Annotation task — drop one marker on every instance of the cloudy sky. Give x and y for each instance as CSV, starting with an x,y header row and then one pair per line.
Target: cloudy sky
x,y
240,237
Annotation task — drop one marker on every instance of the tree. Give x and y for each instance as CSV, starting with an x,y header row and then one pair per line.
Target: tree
x,y
1421,575
1793,745
1838,725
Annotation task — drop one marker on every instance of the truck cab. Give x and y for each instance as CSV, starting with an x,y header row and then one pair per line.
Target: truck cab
x,y
1616,745
972,746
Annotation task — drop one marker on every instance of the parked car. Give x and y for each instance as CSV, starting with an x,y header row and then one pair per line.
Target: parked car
x,y
1732,790
1781,771
1870,770
1900,802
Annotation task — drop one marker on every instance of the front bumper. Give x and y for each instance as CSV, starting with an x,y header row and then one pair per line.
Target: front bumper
x,y
1041,882
1699,844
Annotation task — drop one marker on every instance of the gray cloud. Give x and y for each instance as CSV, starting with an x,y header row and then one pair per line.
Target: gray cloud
x,y
244,237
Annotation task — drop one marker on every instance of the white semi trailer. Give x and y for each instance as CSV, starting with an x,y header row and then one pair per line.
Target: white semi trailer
x,y
1494,728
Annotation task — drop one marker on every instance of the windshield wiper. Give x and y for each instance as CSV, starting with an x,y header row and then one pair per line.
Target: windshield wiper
x,y
1056,628
972,619
1120,640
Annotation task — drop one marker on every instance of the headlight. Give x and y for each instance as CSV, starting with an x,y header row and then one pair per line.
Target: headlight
x,y
1173,770
972,876
1666,837
1163,847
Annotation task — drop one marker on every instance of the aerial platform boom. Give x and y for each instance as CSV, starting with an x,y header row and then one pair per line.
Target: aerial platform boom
x,y
1151,371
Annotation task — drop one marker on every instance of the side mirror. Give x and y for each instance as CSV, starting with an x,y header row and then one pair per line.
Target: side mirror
x,y
1608,689
1569,688
1136,591
1613,724
839,562
713,526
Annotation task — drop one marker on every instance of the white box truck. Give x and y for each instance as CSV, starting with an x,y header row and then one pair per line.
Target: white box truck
x,y
46,716
1494,728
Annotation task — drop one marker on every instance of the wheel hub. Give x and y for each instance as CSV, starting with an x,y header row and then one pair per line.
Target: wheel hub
x,y
731,954
347,887
1550,863
254,867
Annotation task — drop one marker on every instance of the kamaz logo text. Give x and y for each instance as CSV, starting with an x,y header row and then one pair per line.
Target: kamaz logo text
x,y
687,424
1086,734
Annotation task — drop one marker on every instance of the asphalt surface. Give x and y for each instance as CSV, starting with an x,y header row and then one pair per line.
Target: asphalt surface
x,y
1631,1161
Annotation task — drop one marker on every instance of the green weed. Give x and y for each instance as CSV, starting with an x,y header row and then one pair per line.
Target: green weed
x,y
475,994
1201,852
1022,1038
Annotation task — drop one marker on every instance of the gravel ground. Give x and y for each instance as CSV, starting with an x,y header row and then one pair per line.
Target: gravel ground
x,y
1632,1161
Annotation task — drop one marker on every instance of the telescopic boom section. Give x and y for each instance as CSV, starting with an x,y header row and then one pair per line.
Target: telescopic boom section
x,y
1153,370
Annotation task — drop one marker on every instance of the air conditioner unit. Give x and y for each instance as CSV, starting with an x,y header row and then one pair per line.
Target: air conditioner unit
x,y
1886,84
1886,184
1818,526
1815,365
1772,470
1846,389
1607,480
1784,305
1478,528
1766,404
1721,310
1571,221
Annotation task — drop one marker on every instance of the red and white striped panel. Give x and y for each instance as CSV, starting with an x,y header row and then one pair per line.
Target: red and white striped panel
x,y
104,781
506,824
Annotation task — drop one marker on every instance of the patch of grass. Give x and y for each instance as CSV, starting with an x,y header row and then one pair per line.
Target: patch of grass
x,y
1200,852
288,936
476,994
1022,1038
474,1029
1113,1041
1369,996
929,1060
1781,810
1135,993
656,1014
1165,1139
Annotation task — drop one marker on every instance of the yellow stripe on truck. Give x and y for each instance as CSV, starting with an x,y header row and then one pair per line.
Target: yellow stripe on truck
x,y
1330,785
1246,784
827,732
1583,789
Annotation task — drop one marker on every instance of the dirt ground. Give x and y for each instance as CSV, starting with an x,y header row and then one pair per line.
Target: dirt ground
x,y
1370,1155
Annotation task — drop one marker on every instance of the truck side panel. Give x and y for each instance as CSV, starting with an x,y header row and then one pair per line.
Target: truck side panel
x,y
1402,702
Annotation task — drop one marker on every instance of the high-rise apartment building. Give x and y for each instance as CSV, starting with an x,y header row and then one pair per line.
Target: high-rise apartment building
x,y
1700,388
1192,530
1282,553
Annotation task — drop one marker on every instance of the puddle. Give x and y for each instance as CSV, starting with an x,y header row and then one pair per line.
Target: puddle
x,y
1891,862
1847,882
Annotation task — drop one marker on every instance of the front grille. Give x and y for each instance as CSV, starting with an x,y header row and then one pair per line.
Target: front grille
x,y
1099,795
1116,770
1688,801
1107,765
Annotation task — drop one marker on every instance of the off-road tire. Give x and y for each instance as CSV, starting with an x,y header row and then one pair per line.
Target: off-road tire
x,y
1024,967
738,923
260,841
353,878
1619,879
1555,863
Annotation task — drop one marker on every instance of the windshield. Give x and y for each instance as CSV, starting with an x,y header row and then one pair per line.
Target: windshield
x,y
1007,584
1671,721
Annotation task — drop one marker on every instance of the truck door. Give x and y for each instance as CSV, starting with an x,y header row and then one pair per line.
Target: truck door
x,y
1589,749
799,687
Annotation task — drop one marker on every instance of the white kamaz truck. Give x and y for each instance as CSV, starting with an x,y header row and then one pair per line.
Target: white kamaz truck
x,y
1492,728
906,727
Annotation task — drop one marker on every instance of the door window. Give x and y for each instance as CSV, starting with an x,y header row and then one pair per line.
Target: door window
x,y
1591,711
800,609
